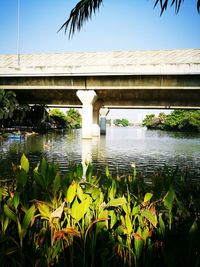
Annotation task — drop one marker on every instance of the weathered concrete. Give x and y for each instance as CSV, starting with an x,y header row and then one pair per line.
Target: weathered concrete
x,y
87,98
135,79
103,112
181,61
96,108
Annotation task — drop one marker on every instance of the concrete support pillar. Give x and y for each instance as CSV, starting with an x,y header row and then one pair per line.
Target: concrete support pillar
x,y
103,112
96,128
87,98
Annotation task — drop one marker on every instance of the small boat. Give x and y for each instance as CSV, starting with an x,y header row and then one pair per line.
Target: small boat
x,y
16,136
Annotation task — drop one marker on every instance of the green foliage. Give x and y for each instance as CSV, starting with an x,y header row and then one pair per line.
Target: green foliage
x,y
8,103
58,118
50,220
72,119
177,120
121,122
38,117
13,113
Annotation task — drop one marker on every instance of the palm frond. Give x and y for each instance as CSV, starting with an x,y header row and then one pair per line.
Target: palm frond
x,y
164,4
198,6
79,14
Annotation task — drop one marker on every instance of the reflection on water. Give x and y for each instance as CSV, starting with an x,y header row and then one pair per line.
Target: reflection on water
x,y
150,150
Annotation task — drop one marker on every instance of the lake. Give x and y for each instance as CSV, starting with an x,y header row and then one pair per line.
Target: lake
x,y
150,150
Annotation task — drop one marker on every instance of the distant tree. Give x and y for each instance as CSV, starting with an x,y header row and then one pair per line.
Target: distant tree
x,y
183,120
73,118
84,10
149,121
125,122
38,117
121,122
58,118
177,120
162,117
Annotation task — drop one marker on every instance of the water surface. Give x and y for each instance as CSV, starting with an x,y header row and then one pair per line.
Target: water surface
x,y
149,149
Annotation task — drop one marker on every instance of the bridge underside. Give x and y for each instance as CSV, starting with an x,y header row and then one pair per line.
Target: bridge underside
x,y
113,91
93,93
126,98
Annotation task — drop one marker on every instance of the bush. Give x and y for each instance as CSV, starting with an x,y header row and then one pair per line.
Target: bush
x,y
50,220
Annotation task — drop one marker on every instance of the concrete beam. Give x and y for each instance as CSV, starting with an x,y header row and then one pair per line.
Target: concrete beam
x,y
120,82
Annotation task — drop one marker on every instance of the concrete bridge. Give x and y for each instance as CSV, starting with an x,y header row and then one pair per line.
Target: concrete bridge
x,y
131,79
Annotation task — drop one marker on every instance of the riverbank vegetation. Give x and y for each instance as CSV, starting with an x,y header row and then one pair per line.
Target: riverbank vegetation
x,y
118,122
16,116
177,120
83,220
71,119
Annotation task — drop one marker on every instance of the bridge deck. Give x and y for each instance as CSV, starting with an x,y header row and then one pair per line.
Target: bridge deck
x,y
182,61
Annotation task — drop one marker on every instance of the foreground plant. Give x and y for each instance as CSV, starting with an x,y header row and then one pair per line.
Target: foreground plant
x,y
51,220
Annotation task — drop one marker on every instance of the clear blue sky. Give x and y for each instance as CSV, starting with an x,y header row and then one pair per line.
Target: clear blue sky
x,y
119,25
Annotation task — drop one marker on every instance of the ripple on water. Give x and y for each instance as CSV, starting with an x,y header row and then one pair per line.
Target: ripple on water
x,y
150,150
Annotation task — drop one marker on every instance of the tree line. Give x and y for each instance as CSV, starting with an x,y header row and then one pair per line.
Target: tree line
x,y
16,114
177,120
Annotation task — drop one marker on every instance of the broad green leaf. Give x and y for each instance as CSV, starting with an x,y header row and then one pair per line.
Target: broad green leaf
x,y
71,192
147,197
113,218
112,190
95,192
150,217
116,202
25,163
161,225
138,243
80,209
128,224
107,172
80,192
56,183
169,199
85,204
145,233
125,208
16,200
43,167
102,223
89,172
44,210
9,213
80,170
135,210
28,217
21,178
39,179
5,224
76,211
